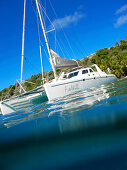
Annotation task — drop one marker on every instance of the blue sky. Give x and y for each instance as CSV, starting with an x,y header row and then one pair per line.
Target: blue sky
x,y
88,25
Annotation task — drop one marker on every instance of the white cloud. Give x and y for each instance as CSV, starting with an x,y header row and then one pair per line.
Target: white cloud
x,y
68,20
121,20
122,9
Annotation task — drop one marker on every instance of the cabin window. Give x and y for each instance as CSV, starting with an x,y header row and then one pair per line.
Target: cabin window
x,y
84,71
73,74
64,76
90,70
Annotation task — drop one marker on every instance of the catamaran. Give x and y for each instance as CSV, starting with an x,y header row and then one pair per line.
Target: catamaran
x,y
68,82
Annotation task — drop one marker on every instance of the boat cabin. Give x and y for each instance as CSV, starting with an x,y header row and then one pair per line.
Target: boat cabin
x,y
87,72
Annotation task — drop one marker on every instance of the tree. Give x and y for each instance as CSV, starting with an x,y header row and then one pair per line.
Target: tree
x,y
123,44
116,44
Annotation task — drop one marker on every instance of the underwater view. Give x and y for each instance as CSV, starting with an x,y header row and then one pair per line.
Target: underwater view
x,y
86,130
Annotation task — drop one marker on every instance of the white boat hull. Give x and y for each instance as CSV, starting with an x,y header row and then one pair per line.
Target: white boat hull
x,y
22,101
66,87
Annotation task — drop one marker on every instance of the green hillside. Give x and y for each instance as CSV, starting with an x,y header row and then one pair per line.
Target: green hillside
x,y
115,58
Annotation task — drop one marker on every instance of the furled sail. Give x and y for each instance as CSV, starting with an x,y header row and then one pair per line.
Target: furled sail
x,y
62,62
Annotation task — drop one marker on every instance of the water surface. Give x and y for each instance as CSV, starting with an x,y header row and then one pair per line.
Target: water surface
x,y
86,130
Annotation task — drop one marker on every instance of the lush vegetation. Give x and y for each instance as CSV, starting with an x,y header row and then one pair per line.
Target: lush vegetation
x,y
114,58
28,84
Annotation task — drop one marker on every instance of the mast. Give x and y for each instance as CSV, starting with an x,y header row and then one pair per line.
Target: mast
x,y
23,35
46,40
41,66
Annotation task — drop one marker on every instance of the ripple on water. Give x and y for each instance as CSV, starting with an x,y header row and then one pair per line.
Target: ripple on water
x,y
87,129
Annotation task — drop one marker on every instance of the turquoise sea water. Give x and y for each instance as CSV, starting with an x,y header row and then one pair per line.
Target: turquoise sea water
x,y
87,131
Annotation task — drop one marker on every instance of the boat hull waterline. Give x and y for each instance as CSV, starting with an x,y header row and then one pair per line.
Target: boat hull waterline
x,y
53,90
60,89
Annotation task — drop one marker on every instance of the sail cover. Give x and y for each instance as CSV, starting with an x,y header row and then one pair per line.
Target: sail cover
x,y
62,62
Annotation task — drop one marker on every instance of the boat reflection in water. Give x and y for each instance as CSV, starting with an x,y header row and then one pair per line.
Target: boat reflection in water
x,y
62,108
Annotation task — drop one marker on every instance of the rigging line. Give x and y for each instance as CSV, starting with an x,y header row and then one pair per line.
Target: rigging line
x,y
80,52
31,65
55,31
43,9
53,26
36,14
38,30
42,18
46,55
45,5
60,48
55,40
33,8
69,44
45,51
46,41
67,51
62,29
80,43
